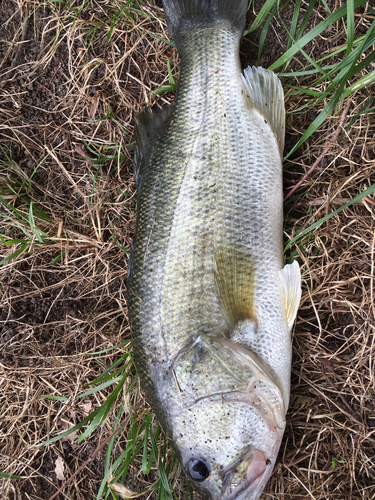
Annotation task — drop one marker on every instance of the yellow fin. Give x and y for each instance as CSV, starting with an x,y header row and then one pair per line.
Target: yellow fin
x,y
235,280
265,93
290,277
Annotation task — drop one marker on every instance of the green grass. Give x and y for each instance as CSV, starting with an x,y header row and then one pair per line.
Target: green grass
x,y
146,443
9,476
20,216
172,87
342,77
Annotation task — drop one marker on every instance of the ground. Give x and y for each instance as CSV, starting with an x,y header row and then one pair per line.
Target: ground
x,y
72,75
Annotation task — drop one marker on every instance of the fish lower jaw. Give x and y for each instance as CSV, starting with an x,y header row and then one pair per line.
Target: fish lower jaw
x,y
250,486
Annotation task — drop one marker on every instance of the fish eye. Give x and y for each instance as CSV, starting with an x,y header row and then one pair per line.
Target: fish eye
x,y
198,469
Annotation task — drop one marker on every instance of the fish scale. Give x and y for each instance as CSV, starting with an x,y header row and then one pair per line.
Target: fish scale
x,y
210,183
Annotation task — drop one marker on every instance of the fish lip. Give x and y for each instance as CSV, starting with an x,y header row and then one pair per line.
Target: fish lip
x,y
248,484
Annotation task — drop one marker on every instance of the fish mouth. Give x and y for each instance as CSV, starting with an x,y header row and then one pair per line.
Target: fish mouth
x,y
251,485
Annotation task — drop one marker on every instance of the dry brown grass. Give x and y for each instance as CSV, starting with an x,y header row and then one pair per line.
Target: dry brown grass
x,y
68,94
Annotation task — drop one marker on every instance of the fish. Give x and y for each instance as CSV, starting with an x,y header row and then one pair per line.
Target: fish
x,y
210,302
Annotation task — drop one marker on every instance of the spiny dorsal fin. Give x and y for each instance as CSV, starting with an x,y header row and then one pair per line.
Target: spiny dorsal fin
x,y
235,279
266,94
290,277
150,125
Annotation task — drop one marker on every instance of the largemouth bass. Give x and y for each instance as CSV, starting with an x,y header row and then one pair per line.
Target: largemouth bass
x,y
210,302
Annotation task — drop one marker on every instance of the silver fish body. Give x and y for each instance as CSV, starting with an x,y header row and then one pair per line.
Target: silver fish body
x,y
210,303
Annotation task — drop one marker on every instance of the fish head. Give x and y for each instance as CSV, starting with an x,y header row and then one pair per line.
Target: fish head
x,y
228,450
228,440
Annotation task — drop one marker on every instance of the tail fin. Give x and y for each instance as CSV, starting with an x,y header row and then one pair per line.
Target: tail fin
x,y
184,15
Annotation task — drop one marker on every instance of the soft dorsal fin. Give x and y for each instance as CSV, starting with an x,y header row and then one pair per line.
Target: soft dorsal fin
x,y
150,125
266,94
235,279
290,277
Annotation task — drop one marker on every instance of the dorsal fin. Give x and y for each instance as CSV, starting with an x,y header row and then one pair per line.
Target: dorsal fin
x,y
266,94
150,125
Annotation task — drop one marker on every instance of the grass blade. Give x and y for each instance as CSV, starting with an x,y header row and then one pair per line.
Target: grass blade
x,y
349,25
306,18
293,26
72,429
14,255
263,35
261,17
3,475
314,32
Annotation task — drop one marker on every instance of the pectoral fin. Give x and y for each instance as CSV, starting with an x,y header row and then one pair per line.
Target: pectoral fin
x,y
235,279
290,278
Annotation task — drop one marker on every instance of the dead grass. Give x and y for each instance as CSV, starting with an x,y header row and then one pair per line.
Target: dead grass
x,y
70,82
